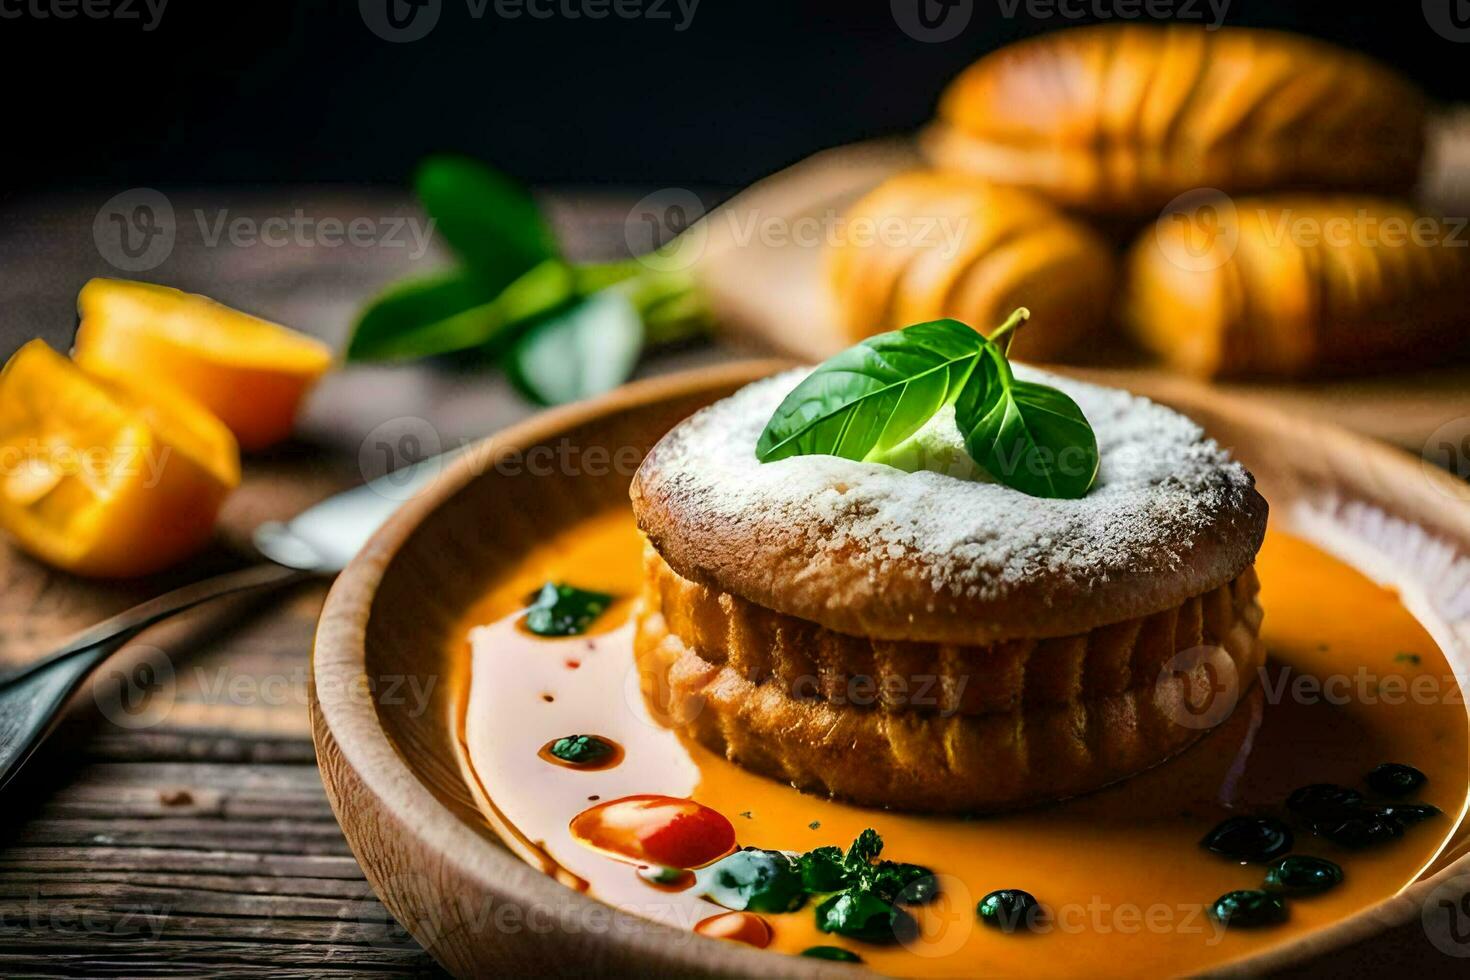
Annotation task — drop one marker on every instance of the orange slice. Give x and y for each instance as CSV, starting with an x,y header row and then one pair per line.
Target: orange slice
x,y
104,478
250,372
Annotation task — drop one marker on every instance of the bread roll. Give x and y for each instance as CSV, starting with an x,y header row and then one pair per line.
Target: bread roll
x,y
926,245
1296,286
1119,119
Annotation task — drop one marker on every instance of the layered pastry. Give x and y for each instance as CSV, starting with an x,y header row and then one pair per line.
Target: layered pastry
x,y
950,245
1122,118
925,642
1293,286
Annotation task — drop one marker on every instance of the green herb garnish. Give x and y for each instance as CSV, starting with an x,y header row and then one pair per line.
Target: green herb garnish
x,y
832,953
565,610
860,914
581,750
562,330
1010,910
870,398
755,880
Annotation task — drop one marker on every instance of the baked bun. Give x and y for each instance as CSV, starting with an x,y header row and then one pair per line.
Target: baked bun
x,y
926,245
1119,119
1014,649
1293,286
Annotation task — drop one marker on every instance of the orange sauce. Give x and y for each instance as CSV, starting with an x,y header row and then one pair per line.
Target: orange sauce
x,y
739,927
1353,680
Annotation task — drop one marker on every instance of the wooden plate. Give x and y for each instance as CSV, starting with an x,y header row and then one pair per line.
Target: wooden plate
x,y
389,757
762,266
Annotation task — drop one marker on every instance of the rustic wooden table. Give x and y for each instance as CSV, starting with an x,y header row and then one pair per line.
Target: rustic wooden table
x,y
175,823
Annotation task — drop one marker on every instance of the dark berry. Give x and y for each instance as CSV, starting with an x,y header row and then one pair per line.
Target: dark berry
x,y
1395,779
1249,839
1249,909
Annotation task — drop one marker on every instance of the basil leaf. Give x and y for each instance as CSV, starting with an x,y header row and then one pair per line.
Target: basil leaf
x,y
455,312
585,350
874,395
757,880
406,307
488,219
565,610
1030,437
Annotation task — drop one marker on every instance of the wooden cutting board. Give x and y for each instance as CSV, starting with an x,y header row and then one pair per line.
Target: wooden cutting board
x,y
761,260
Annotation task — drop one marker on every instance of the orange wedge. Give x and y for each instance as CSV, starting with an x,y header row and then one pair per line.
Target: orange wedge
x,y
101,477
250,372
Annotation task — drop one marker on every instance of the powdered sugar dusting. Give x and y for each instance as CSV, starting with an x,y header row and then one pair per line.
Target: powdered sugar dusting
x,y
1162,484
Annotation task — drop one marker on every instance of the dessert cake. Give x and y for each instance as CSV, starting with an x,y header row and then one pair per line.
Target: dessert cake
x,y
924,642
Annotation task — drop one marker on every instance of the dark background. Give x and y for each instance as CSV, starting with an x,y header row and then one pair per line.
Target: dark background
x,y
235,92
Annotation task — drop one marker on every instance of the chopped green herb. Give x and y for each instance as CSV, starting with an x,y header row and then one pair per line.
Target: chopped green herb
x,y
907,884
859,914
832,953
1249,909
755,880
565,610
822,870
815,824
746,815
581,750
1406,658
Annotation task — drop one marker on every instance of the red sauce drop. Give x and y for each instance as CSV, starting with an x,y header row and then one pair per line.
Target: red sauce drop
x,y
573,664
737,927
649,829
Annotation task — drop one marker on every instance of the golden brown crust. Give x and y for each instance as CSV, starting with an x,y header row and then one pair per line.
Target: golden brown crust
x,y
867,551
935,762
809,662
1297,285
950,245
1122,118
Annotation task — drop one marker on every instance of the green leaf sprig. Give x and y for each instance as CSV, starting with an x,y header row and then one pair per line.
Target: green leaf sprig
x,y
561,331
861,896
868,399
